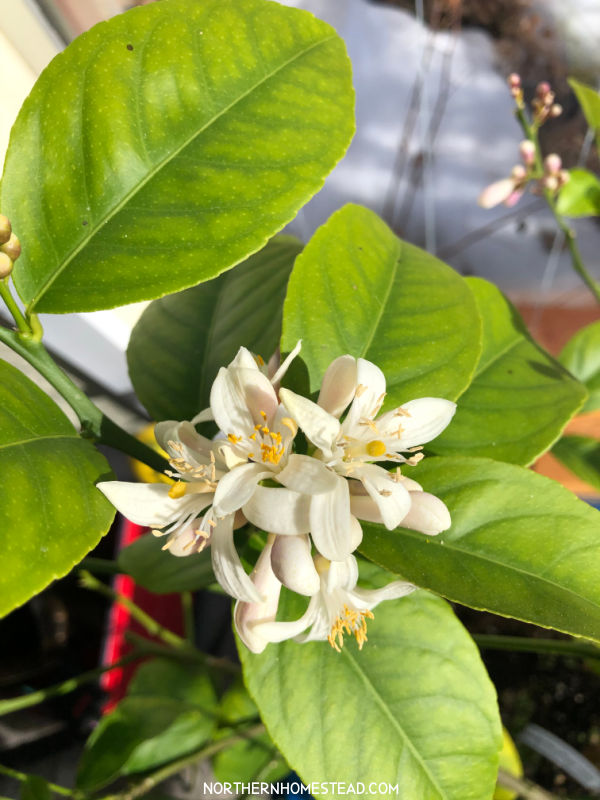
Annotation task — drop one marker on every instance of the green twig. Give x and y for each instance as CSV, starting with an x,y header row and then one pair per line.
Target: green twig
x,y
154,628
60,689
95,425
181,763
526,644
187,608
11,304
183,654
524,788
101,566
22,778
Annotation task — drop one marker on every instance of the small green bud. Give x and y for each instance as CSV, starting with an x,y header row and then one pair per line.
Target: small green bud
x,y
12,247
6,265
5,229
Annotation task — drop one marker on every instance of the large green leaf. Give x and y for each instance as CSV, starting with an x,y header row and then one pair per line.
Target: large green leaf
x,y
589,100
414,708
50,511
520,545
169,711
580,197
169,143
359,289
582,456
180,341
581,356
162,573
520,398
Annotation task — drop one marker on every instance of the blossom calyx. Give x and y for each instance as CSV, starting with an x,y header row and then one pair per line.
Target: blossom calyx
x,y
12,247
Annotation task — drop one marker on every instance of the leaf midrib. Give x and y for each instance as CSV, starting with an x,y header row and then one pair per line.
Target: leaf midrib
x,y
161,164
20,442
395,724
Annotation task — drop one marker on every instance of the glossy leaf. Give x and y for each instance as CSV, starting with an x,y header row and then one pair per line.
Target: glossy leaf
x,y
582,456
580,197
520,545
520,398
162,573
359,289
589,100
248,759
581,356
50,511
169,711
181,341
413,708
167,144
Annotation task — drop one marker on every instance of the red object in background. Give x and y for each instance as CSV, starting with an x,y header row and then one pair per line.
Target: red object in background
x,y
164,608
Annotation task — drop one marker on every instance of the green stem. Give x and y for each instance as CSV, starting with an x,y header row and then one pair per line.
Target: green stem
x,y
60,689
94,423
524,788
101,566
531,132
183,654
22,777
181,763
525,644
187,607
11,304
154,628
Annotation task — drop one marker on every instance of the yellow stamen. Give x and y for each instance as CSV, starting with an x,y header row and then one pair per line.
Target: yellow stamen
x,y
353,623
259,360
177,490
376,448
360,389
290,424
233,438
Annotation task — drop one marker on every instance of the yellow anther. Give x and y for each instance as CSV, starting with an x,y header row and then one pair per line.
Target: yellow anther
x,y
259,360
290,424
253,435
264,429
352,622
233,438
177,490
258,427
376,448
263,415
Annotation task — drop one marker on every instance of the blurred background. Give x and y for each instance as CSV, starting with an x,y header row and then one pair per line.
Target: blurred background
x,y
435,125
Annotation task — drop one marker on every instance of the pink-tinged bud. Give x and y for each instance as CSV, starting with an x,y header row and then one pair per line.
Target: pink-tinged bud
x,y
518,173
496,193
552,164
513,198
12,248
564,176
514,80
543,89
6,265
550,182
248,616
556,110
5,229
527,151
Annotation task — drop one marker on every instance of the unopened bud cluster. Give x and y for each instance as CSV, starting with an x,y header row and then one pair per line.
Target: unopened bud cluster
x,y
543,106
554,176
10,247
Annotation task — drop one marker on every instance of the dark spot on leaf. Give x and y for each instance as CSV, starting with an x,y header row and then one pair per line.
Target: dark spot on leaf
x,y
130,47
510,372
85,222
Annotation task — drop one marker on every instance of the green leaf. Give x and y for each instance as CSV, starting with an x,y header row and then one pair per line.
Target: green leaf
x,y
35,788
358,289
169,711
248,759
520,398
162,573
181,341
520,545
589,100
51,513
580,197
414,708
167,144
582,456
581,356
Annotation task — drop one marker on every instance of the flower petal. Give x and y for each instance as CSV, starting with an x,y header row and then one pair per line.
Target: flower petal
x,y
341,574
428,514
278,510
149,503
237,486
370,393
286,364
496,193
293,565
244,358
279,631
307,475
249,616
331,522
391,497
186,543
369,598
228,404
206,415
339,385
364,507
227,566
319,426
421,421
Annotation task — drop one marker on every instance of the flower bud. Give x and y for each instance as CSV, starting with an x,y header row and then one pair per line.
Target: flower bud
x,y
543,89
556,110
527,151
550,182
5,229
564,176
552,164
514,80
518,172
12,247
6,265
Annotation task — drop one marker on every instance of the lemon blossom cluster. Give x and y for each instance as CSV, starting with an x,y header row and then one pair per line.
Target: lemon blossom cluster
x,y
310,505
